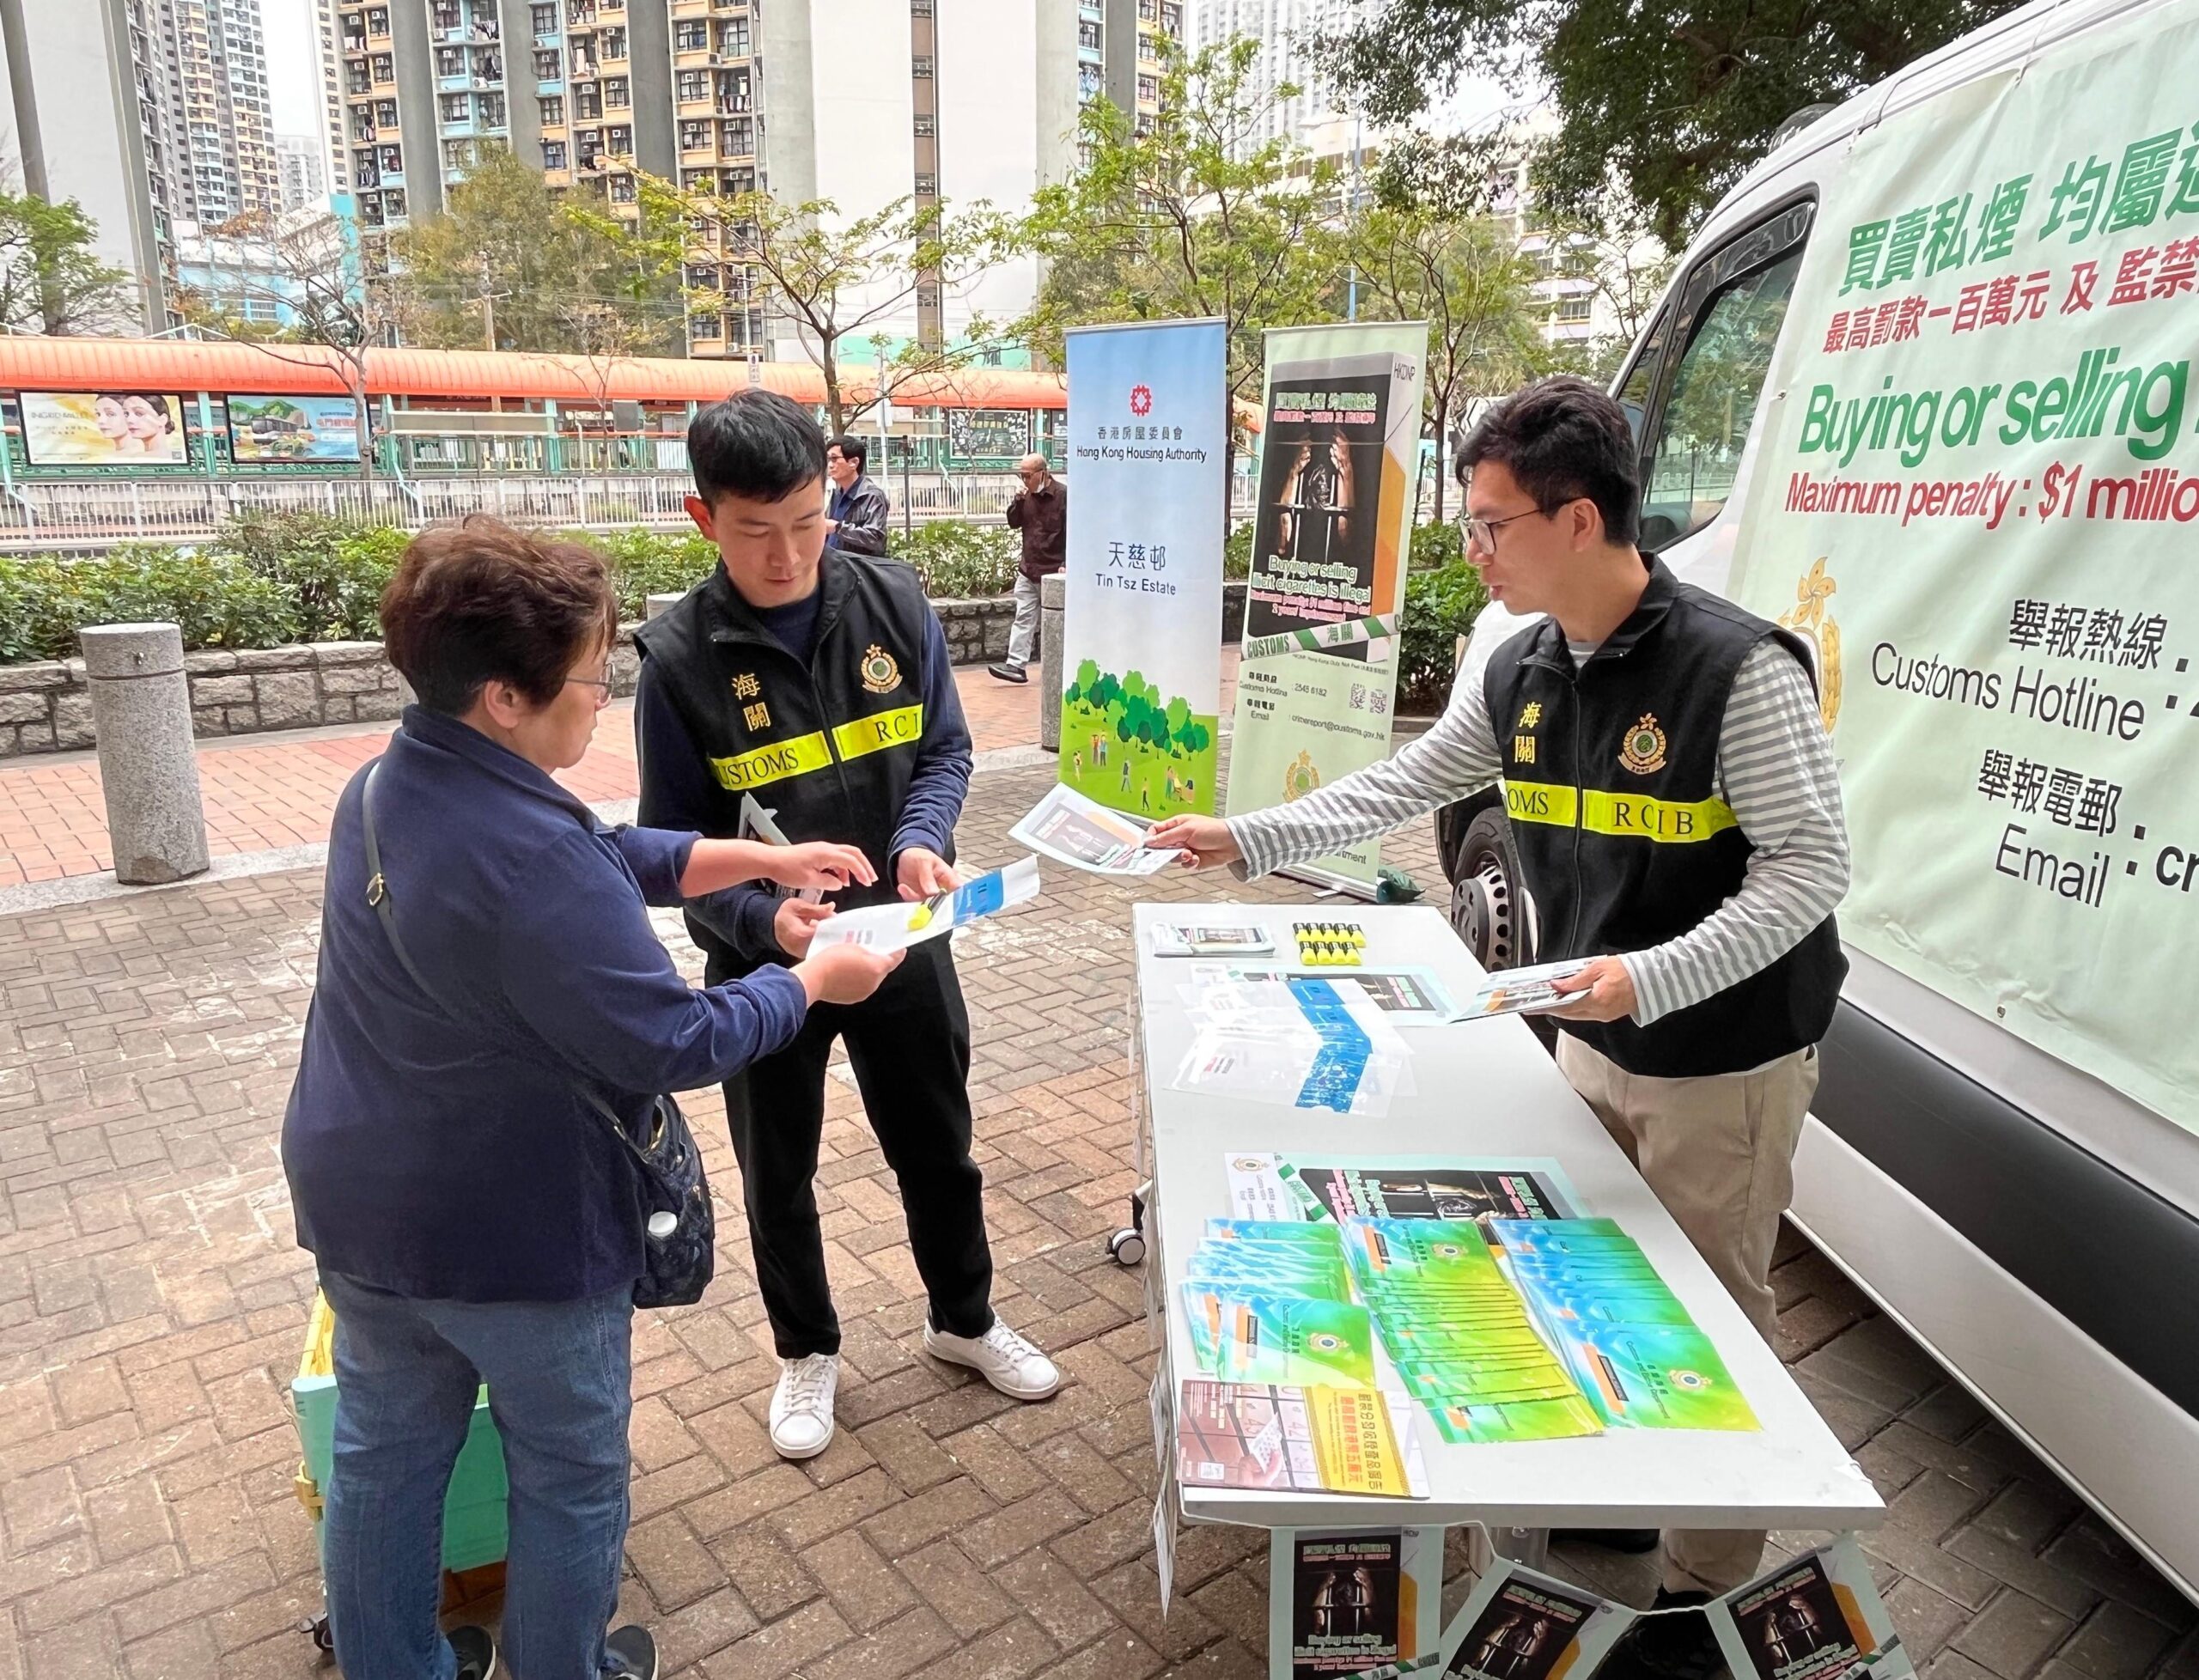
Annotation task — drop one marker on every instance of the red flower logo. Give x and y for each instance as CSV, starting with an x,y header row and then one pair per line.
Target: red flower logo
x,y
1141,400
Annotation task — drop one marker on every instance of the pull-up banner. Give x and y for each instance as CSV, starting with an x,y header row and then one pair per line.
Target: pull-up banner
x,y
1339,445
1148,440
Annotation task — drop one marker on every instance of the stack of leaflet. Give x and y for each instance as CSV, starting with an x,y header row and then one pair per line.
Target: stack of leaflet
x,y
1271,1303
1631,1345
1458,1333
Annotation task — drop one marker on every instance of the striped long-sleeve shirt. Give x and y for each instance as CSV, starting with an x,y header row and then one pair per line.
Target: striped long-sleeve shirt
x,y
1775,770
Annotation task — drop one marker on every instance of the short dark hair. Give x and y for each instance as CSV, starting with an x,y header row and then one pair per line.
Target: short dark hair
x,y
480,602
756,444
1563,439
851,449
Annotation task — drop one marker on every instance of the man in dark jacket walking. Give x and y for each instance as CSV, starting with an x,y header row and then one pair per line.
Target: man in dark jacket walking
x,y
1040,512
812,688
855,519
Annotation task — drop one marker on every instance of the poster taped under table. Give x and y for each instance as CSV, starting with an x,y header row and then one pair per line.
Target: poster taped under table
x,y
1344,1603
1818,1617
1520,1624
1071,829
1337,1187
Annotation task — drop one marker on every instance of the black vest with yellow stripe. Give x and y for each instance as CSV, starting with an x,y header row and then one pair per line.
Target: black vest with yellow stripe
x,y
827,747
1610,776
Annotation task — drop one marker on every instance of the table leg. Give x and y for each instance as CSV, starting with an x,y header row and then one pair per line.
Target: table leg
x,y
1528,1546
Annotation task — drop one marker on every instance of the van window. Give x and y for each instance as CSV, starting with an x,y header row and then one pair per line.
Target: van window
x,y
1710,402
1641,378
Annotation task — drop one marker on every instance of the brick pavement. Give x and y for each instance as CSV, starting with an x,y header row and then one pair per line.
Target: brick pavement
x,y
263,793
151,1306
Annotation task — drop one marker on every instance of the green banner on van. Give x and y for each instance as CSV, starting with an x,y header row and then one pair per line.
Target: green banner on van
x,y
1979,496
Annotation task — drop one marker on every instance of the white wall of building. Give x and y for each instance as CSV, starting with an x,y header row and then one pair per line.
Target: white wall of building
x,y
78,91
863,115
990,143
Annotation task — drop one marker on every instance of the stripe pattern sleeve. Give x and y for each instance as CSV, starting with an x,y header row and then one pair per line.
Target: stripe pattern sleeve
x,y
1775,769
1455,757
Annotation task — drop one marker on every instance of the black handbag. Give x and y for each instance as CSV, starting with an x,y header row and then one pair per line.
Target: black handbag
x,y
679,1252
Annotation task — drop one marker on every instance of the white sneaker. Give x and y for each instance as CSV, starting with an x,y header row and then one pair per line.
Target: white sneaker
x,y
1000,1356
801,1405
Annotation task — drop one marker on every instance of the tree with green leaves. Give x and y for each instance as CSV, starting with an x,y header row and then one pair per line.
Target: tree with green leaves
x,y
1465,278
1679,97
1186,216
840,282
51,279
509,265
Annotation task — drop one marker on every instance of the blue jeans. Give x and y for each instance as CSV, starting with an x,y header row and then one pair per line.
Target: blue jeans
x,y
559,1376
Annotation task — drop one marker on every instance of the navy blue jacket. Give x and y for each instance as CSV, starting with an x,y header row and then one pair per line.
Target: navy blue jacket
x,y
678,792
453,1159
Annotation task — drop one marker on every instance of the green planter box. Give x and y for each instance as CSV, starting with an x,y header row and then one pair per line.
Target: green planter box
x,y
475,1532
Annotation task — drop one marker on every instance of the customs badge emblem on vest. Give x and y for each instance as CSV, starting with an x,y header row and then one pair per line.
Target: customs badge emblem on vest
x,y
880,674
1644,751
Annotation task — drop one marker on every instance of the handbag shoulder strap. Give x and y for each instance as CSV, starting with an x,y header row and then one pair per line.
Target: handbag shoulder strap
x,y
378,896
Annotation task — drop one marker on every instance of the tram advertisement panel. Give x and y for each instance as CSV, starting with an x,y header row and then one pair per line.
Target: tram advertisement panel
x,y
292,428
103,429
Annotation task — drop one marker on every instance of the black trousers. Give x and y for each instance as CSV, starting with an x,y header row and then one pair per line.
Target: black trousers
x,y
909,1046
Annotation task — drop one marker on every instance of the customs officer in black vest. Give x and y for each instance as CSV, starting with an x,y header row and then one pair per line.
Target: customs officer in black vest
x,y
812,690
1676,809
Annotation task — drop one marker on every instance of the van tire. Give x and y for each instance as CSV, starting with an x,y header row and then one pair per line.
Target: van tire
x,y
1488,906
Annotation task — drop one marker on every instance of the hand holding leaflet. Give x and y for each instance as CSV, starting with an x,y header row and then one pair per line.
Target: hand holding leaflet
x,y
1520,991
895,926
1073,829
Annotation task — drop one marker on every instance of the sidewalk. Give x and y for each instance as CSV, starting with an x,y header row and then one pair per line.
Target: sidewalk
x,y
152,1302
264,793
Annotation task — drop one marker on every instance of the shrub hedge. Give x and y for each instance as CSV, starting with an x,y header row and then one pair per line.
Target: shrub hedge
x,y
274,578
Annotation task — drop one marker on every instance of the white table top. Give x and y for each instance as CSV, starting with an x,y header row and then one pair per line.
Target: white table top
x,y
1485,1090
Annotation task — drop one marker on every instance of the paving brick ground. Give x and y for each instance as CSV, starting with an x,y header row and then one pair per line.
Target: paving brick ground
x,y
151,1305
263,793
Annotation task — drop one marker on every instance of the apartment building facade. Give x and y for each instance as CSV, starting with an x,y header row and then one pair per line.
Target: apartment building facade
x,y
81,117
215,104
859,102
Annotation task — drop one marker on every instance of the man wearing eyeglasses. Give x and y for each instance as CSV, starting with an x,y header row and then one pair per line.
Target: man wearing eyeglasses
x,y
1678,815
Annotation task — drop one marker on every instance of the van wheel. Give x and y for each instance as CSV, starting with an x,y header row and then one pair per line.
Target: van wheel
x,y
1487,908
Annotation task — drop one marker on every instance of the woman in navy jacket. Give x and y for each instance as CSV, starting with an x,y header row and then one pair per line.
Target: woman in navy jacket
x,y
472,1217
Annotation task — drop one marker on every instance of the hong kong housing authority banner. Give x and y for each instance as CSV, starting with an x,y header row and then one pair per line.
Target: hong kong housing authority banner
x,y
1979,496
1339,447
1148,451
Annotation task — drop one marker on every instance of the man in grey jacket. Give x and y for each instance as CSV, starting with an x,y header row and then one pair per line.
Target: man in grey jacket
x,y
855,519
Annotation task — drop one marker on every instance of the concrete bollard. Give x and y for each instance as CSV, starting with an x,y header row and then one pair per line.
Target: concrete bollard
x,y
1053,591
141,712
656,603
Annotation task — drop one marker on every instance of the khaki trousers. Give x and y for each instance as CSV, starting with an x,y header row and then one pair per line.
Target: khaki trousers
x,y
1718,1152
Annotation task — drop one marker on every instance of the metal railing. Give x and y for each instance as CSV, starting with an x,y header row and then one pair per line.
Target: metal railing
x,y
59,515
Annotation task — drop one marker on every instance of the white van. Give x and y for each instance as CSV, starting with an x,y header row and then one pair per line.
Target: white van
x,y
1919,388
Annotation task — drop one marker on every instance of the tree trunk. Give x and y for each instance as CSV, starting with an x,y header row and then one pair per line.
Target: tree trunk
x,y
362,418
828,362
1442,413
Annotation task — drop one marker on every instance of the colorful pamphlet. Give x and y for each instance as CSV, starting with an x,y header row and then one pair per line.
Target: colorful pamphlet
x,y
1244,1337
1344,1603
1818,1617
895,926
1626,1338
1520,991
1269,1187
1520,1624
1303,1440
1210,939
1071,829
1458,1335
